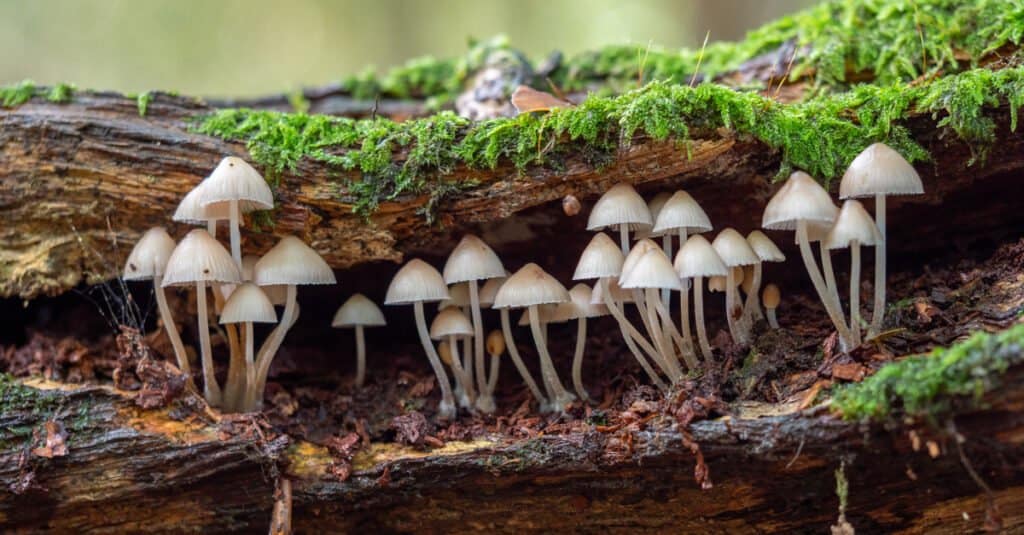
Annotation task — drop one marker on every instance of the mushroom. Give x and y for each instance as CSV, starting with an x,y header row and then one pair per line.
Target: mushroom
x,y
450,325
766,251
876,172
771,298
458,296
247,305
652,272
734,251
495,346
603,260
147,261
236,183
199,259
190,210
416,283
695,260
798,204
853,228
654,207
359,312
277,293
471,261
291,263
236,387
530,287
623,208
487,295
640,248
579,308
544,318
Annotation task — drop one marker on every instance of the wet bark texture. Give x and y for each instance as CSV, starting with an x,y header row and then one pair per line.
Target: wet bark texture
x,y
174,470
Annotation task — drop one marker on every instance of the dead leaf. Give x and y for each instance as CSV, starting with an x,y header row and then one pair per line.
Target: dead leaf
x,y
56,441
527,99
849,371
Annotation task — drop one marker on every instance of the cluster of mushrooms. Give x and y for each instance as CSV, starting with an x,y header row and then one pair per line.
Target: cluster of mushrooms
x,y
245,289
642,273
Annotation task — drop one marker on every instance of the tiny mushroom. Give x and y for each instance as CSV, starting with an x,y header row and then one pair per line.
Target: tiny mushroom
x,y
236,183
451,325
357,313
652,272
621,208
695,260
199,259
530,287
734,251
771,298
766,251
416,283
879,171
247,305
147,261
495,345
579,308
853,228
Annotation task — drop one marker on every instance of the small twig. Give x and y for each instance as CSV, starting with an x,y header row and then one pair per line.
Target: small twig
x,y
789,70
920,35
642,62
376,106
799,449
700,58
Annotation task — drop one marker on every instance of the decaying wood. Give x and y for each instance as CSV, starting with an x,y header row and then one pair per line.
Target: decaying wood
x,y
80,181
126,469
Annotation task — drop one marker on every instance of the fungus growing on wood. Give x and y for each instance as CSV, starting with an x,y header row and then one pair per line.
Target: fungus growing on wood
x,y
766,251
449,326
603,260
290,262
495,345
148,260
854,227
771,297
735,252
247,305
357,313
579,308
621,208
799,203
530,287
879,171
199,259
236,183
471,261
487,295
190,210
417,283
695,260
653,272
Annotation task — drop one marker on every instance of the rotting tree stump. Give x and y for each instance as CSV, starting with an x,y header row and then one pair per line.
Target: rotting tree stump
x,y
128,470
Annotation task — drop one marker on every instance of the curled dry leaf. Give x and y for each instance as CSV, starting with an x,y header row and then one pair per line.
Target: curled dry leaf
x,y
55,444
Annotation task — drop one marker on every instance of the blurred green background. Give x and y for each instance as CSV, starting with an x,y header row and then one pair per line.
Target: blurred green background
x,y
252,47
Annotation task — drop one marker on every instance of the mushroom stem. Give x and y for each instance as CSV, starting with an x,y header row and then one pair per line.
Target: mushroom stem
x,y
445,409
271,345
666,245
624,238
561,396
629,333
685,347
752,307
492,380
360,357
668,357
211,390
855,290
771,318
684,301
698,317
830,275
234,387
236,236
657,355
513,352
831,306
478,341
461,374
577,359
171,327
250,365
735,329
878,312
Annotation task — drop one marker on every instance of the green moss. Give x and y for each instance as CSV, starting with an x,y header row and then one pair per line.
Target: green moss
x,y
142,101
931,384
17,94
61,93
820,135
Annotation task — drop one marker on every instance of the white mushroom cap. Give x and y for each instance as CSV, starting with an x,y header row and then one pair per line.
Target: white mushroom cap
x,y
490,289
579,305
764,247
771,296
545,314
190,211
620,205
472,259
292,262
529,286
417,281
681,212
853,223
149,256
199,257
880,169
618,293
248,303
235,180
601,259
654,207
277,293
799,199
697,258
639,249
358,310
450,322
653,270
458,296
733,249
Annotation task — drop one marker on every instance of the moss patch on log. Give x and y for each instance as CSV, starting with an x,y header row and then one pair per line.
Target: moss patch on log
x,y
820,135
932,384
